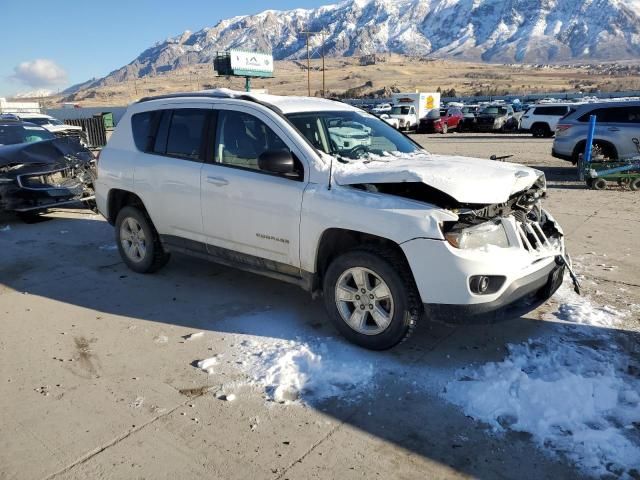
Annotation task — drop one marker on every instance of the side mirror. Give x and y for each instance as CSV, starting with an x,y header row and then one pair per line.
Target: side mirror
x,y
277,161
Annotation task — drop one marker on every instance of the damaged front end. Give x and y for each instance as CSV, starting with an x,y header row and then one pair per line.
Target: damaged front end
x,y
41,175
519,222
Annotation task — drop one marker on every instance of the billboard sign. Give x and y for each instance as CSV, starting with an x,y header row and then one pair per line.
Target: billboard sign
x,y
251,64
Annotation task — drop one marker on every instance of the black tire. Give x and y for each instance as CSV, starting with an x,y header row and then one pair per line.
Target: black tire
x,y
635,184
155,256
599,184
540,130
393,269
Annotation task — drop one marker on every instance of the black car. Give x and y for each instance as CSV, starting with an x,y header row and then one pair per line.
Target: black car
x,y
39,170
496,118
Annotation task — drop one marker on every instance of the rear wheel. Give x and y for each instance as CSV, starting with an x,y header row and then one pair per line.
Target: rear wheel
x,y
138,242
371,298
635,184
540,130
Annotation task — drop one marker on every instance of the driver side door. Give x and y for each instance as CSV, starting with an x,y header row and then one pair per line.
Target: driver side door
x,y
246,209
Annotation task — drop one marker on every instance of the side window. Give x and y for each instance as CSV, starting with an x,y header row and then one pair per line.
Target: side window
x,y
142,126
607,115
162,132
242,138
186,132
633,114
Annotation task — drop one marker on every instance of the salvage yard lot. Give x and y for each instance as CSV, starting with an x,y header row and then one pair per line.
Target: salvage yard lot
x,y
99,366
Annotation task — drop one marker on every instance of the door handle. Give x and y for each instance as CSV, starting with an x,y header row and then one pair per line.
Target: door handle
x,y
218,181
613,129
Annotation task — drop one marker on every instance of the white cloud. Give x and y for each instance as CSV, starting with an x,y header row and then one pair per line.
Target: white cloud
x,y
39,73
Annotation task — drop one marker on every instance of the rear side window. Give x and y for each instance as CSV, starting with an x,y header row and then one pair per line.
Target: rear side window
x,y
186,132
554,111
626,114
142,126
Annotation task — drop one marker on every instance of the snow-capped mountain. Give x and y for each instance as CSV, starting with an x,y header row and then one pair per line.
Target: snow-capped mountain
x,y
41,92
532,31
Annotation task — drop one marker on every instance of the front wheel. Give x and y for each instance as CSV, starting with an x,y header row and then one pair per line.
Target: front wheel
x,y
371,297
138,241
445,128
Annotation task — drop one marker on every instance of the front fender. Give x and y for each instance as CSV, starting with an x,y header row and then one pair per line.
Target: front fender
x,y
387,216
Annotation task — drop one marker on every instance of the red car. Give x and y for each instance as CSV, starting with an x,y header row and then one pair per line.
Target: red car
x,y
441,121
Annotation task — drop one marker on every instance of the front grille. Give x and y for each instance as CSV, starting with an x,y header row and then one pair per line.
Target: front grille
x,y
533,237
57,180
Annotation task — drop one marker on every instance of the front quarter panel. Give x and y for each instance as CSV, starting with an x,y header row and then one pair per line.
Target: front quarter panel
x,y
386,216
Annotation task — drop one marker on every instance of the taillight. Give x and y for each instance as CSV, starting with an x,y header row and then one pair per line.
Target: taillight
x,y
562,128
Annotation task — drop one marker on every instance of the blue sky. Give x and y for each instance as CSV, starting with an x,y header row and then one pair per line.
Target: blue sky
x,y
79,39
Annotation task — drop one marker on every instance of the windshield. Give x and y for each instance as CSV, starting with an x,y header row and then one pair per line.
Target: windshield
x,y
469,109
400,110
12,134
350,134
494,111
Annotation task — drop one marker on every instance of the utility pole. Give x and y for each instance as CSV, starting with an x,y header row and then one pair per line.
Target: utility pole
x,y
308,66
323,33
308,34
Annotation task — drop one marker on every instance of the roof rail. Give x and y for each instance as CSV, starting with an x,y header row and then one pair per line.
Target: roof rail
x,y
217,93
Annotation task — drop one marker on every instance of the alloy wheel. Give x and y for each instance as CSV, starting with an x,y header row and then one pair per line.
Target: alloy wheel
x,y
133,240
364,301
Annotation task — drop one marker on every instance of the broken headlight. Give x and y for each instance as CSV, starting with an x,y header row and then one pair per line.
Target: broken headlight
x,y
477,236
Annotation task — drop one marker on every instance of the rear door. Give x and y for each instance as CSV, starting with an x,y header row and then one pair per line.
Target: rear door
x,y
167,176
245,209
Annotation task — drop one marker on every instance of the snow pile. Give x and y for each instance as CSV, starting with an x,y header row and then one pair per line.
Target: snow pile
x,y
207,364
313,370
6,228
577,394
576,309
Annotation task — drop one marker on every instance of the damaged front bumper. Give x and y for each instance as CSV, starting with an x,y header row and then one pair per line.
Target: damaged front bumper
x,y
37,177
519,277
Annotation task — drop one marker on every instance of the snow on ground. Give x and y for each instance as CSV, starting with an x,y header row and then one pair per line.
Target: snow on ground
x,y
315,368
576,390
576,393
6,228
308,368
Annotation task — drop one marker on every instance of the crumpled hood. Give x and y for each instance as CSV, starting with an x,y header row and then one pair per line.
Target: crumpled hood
x,y
46,152
467,180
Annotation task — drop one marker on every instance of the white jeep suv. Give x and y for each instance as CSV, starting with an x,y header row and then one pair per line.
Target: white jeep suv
x,y
385,231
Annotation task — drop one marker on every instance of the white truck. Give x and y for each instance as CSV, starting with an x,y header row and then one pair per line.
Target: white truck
x,y
385,232
409,108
